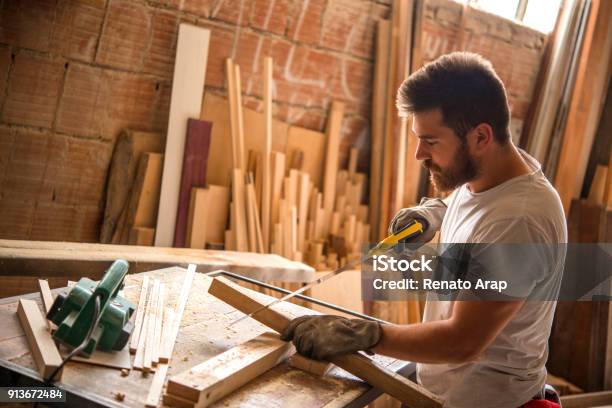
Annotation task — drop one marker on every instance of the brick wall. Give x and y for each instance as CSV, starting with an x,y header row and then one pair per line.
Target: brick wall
x,y
74,72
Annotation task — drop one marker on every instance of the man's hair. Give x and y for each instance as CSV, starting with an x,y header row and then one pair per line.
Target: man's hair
x,y
465,88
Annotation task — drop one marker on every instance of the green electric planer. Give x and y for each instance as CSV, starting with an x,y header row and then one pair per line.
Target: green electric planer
x,y
74,313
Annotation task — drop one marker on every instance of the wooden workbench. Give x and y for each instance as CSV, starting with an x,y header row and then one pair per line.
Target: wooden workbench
x,y
23,262
204,333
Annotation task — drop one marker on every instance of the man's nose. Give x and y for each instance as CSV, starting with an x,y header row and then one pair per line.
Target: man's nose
x,y
421,152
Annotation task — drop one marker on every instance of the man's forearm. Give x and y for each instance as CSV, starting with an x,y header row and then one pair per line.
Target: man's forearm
x,y
429,342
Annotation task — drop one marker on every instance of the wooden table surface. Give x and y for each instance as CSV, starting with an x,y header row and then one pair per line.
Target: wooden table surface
x,y
204,333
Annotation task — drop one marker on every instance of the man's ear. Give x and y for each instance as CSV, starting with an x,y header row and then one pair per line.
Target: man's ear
x,y
482,136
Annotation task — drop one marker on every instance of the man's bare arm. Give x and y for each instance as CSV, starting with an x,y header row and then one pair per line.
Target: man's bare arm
x,y
473,325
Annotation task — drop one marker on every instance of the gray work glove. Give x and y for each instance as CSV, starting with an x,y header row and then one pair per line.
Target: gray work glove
x,y
430,212
326,336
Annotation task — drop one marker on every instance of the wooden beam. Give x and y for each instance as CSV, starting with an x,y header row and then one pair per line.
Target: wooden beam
x,y
392,383
43,349
185,103
221,375
166,353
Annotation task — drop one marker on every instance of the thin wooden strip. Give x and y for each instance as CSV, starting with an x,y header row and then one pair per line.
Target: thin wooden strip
x,y
239,118
267,182
152,316
240,222
45,295
185,103
219,376
390,382
140,312
43,349
332,131
139,357
159,314
178,313
167,329
155,390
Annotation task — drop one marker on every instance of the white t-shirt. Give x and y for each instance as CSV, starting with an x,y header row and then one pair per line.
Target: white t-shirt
x,y
512,369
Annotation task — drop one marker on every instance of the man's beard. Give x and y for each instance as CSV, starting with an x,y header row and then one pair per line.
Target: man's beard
x,y
464,168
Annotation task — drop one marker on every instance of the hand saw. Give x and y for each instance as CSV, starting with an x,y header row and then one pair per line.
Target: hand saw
x,y
413,229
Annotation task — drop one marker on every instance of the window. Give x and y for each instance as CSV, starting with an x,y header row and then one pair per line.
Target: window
x,y
537,14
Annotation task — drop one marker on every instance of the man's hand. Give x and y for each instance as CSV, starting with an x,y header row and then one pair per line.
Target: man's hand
x,y
323,337
430,212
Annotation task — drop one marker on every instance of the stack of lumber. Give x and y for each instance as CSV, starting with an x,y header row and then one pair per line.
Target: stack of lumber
x,y
152,319
283,200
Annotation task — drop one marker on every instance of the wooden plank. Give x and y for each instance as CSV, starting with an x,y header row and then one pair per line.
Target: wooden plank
x,y
185,103
332,132
126,154
218,205
219,376
315,367
379,103
238,197
392,383
195,159
42,347
157,385
166,354
140,312
312,143
143,201
197,222
141,236
586,104
266,180
45,295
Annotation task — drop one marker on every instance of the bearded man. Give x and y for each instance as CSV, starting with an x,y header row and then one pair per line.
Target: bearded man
x,y
473,351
